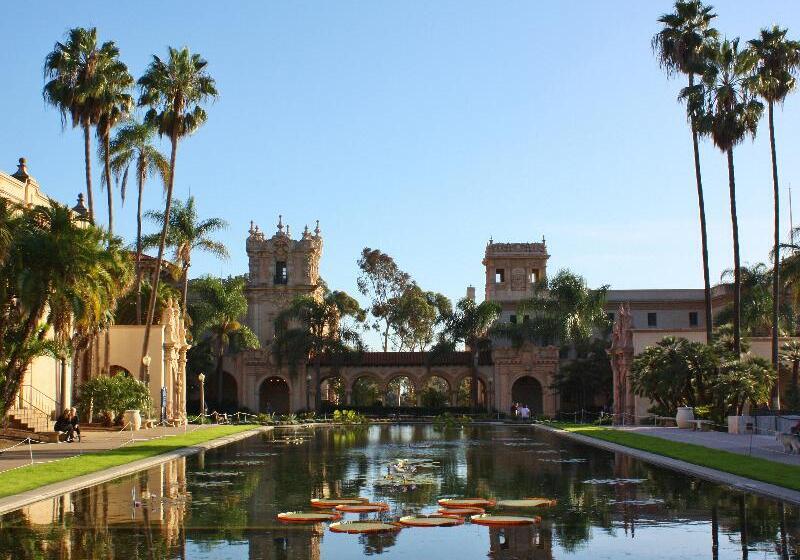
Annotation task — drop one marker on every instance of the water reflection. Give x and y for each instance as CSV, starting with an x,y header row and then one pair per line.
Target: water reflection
x,y
223,503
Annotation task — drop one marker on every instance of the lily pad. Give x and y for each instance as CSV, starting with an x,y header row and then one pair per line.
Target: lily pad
x,y
330,503
366,507
432,520
503,520
526,503
466,502
308,517
366,526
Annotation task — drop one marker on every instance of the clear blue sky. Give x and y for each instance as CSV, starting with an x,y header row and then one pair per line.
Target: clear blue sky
x,y
425,128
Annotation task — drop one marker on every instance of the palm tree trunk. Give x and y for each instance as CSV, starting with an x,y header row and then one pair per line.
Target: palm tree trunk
x,y
87,147
703,235
151,307
776,272
109,191
220,353
737,272
139,248
473,389
185,290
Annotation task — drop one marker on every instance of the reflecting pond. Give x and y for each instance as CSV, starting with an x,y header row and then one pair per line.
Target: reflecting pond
x,y
223,503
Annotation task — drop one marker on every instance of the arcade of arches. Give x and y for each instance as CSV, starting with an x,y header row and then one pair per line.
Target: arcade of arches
x,y
398,379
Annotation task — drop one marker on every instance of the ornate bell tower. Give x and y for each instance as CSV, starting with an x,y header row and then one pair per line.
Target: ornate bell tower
x,y
512,271
280,269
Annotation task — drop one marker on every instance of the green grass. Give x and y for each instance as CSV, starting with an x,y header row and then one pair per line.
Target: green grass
x,y
779,474
33,476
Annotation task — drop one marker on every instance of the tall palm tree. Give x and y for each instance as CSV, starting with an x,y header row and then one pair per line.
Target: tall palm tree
x,y
71,68
174,90
726,110
756,303
187,233
680,49
133,146
311,328
777,60
114,104
216,311
470,324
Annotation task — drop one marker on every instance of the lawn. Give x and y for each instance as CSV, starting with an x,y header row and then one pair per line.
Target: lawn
x,y
30,477
779,474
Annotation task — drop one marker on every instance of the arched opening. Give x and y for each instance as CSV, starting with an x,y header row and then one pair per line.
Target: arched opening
x,y
366,392
464,395
528,391
118,370
332,391
435,393
401,392
229,400
273,396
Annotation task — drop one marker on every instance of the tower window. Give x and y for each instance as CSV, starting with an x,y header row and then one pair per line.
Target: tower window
x,y
534,276
693,318
652,320
281,273
499,275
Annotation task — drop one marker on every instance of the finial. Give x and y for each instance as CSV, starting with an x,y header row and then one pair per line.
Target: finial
x,y
280,223
543,240
252,230
490,240
81,212
317,231
305,231
287,231
22,171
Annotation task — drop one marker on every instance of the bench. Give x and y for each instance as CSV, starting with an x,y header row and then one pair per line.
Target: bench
x,y
701,425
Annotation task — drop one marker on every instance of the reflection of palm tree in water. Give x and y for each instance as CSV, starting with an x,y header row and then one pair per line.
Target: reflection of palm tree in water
x,y
525,542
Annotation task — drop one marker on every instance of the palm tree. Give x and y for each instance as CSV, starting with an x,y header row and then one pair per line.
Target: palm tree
x,y
133,146
114,104
217,306
680,49
187,233
724,109
777,62
470,324
756,302
311,328
174,90
73,87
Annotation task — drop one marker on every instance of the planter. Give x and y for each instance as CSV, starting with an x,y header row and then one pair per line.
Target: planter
x,y
684,416
132,417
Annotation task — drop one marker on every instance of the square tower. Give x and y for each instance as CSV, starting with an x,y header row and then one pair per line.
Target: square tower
x,y
512,271
281,268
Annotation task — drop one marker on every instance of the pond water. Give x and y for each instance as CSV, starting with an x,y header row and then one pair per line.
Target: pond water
x,y
223,503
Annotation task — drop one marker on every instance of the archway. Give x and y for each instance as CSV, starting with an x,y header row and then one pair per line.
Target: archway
x,y
229,401
527,390
366,392
118,370
464,394
273,396
400,391
332,391
435,392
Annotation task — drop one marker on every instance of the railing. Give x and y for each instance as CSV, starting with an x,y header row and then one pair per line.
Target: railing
x,y
31,397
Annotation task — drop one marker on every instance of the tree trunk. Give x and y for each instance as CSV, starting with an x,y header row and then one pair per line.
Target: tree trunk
x,y
87,149
139,247
151,307
473,389
776,272
737,271
109,190
703,235
220,354
317,375
185,290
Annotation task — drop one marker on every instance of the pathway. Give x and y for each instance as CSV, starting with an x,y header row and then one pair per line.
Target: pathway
x,y
91,441
764,447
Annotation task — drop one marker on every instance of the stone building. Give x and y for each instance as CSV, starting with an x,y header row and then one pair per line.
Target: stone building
x,y
281,268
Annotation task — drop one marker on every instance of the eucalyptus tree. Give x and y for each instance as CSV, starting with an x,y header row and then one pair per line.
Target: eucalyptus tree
x,y
680,47
132,147
174,90
217,307
186,234
311,328
114,103
726,110
469,324
777,60
75,88
382,281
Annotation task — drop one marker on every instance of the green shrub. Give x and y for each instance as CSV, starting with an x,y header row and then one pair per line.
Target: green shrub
x,y
113,395
447,420
348,417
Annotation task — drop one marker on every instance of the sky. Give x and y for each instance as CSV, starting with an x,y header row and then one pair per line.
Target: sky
x,y
424,129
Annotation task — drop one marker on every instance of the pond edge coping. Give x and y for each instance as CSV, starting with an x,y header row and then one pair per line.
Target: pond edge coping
x,y
742,483
17,501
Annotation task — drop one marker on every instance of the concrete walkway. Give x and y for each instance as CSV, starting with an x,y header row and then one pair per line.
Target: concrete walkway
x,y
762,446
90,442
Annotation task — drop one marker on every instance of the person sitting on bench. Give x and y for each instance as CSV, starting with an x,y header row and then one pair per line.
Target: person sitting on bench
x,y
63,425
73,419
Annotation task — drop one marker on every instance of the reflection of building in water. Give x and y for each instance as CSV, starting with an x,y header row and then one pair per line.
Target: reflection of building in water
x,y
525,542
290,542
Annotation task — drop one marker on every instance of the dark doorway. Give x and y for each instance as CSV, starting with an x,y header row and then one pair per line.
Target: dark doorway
x,y
273,396
527,390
